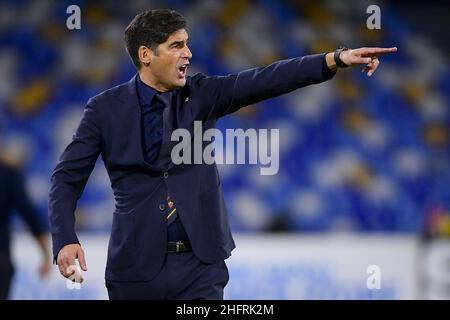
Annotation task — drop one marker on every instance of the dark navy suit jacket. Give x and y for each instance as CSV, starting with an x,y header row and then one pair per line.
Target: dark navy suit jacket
x,y
111,126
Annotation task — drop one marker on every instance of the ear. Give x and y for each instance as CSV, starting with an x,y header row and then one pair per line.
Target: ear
x,y
145,55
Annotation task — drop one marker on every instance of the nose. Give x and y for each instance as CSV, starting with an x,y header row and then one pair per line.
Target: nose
x,y
187,53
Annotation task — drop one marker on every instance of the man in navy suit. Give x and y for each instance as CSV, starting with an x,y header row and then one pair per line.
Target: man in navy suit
x,y
170,233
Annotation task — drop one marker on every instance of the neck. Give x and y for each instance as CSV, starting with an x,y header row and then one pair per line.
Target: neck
x,y
149,79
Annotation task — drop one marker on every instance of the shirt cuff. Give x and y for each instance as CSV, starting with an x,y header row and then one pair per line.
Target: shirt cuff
x,y
326,72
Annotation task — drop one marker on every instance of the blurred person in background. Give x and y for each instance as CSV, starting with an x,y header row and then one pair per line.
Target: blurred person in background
x,y
14,197
170,233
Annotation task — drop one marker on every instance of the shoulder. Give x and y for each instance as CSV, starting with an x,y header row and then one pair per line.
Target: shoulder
x,y
201,80
195,80
107,96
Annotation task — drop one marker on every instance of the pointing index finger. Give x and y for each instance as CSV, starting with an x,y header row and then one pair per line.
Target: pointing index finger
x,y
376,51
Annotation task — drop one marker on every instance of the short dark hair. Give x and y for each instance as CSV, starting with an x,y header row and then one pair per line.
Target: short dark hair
x,y
151,28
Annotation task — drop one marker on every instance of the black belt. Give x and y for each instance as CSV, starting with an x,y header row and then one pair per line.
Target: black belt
x,y
179,246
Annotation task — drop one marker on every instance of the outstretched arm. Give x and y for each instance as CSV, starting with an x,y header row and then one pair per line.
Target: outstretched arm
x,y
227,94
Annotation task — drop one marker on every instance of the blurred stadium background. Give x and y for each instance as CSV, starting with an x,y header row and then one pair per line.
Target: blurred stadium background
x,y
364,173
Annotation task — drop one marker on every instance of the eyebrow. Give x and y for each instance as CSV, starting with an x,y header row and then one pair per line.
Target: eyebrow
x,y
178,42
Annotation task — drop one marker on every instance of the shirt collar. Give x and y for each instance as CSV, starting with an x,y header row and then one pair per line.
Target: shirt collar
x,y
145,92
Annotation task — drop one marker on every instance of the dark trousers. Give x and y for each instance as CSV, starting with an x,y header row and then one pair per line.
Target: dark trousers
x,y
183,277
6,274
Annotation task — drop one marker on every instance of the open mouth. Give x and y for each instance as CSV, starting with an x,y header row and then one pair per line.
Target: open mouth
x,y
182,70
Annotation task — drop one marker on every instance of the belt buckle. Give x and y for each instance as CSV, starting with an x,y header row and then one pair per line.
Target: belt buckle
x,y
178,245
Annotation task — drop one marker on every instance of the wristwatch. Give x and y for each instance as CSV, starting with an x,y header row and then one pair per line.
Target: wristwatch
x,y
337,57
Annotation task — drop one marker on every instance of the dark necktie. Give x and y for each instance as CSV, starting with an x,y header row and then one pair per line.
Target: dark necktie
x,y
153,125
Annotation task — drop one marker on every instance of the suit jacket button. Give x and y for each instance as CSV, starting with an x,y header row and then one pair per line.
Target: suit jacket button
x,y
162,207
166,175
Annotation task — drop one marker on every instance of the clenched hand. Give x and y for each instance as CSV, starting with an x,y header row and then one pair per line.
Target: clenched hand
x,y
66,261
